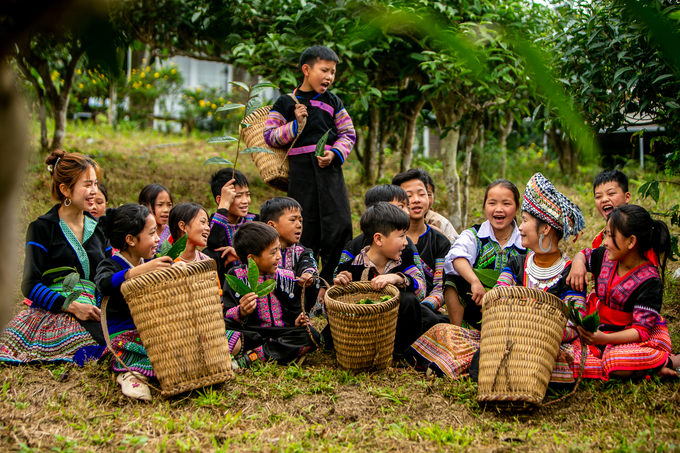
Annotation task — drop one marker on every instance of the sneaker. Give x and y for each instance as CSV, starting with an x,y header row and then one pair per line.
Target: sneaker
x,y
244,361
134,386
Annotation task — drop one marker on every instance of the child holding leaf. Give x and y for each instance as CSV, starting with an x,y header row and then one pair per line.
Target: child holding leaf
x,y
262,311
315,178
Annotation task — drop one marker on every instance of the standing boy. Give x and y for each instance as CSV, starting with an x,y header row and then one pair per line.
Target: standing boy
x,y
317,183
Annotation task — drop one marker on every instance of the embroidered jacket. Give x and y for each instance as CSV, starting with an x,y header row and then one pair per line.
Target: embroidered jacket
x,y
51,244
514,274
222,235
415,284
639,293
277,309
300,259
325,111
432,248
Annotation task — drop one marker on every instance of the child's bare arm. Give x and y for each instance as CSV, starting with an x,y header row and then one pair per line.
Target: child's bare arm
x,y
227,195
342,278
380,281
462,266
578,275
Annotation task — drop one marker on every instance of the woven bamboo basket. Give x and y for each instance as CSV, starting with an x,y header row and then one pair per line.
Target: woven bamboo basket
x,y
178,314
272,167
521,334
363,335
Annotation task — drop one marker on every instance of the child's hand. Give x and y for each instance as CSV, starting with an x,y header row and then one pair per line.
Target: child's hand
x,y
300,112
597,337
380,281
162,262
227,195
305,279
84,312
229,253
343,278
247,305
302,320
327,158
578,276
478,292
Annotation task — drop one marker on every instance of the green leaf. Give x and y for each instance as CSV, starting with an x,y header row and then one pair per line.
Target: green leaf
x,y
253,273
256,149
70,282
218,160
253,104
591,322
321,145
487,277
265,288
237,285
73,296
650,189
242,85
260,87
618,73
165,248
59,269
226,107
245,126
222,139
177,248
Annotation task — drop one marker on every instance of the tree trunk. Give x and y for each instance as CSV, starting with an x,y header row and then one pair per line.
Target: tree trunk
x,y
470,140
359,144
384,137
477,156
112,103
567,153
409,134
59,111
371,150
505,128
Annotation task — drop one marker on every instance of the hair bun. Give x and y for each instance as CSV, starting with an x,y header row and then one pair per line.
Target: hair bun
x,y
106,222
52,158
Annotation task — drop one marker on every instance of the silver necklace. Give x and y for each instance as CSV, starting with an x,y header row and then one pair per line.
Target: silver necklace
x,y
545,277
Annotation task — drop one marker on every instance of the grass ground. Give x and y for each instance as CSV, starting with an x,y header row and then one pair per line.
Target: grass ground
x,y
316,407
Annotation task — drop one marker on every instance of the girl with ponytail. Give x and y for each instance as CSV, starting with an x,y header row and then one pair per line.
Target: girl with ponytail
x,y
632,339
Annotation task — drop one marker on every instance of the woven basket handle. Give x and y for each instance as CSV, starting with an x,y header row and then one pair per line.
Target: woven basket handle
x,y
301,125
302,303
107,338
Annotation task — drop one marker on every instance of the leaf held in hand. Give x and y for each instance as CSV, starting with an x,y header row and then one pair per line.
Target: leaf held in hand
x,y
224,108
242,85
487,277
70,282
218,160
253,274
256,149
222,139
165,248
177,248
73,296
321,145
237,285
592,322
59,269
265,288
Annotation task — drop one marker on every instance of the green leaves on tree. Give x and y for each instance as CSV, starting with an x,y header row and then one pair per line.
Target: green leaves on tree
x,y
650,189
177,248
321,145
487,277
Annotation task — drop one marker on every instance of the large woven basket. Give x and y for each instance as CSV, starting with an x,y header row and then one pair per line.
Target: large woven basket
x,y
521,334
272,167
363,335
178,314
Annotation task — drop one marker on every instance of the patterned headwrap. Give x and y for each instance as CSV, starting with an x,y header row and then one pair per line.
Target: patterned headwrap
x,y
542,200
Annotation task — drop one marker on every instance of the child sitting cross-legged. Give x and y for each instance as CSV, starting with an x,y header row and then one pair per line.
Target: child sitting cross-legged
x,y
285,215
384,226
271,327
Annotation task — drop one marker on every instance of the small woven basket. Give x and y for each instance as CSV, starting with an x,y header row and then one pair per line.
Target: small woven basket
x,y
272,167
178,314
363,335
522,330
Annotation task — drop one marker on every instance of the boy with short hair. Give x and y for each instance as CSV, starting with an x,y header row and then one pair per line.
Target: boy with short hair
x,y
438,221
285,215
610,189
232,196
431,244
384,226
271,327
317,183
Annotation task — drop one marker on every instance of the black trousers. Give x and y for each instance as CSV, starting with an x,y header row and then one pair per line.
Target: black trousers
x,y
281,344
327,218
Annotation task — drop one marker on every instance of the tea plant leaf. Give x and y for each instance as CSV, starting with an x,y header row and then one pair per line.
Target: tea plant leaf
x,y
218,160
226,107
487,277
237,285
253,104
256,149
592,322
245,126
321,145
222,139
177,248
260,87
70,282
253,274
73,296
59,269
649,189
242,85
265,288
165,248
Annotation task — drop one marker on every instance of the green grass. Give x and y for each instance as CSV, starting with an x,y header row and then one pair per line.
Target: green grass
x,y
316,407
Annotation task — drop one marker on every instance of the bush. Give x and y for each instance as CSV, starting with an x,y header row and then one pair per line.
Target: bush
x,y
199,106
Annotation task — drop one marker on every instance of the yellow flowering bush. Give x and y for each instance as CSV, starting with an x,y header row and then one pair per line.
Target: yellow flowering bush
x,y
200,104
147,84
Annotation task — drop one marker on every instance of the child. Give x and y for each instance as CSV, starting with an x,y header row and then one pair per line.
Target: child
x,y
432,245
633,339
101,202
485,246
317,183
190,219
233,200
610,189
384,226
271,327
438,221
131,229
285,215
158,200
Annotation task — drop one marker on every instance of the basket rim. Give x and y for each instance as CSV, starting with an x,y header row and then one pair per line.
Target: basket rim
x,y
522,292
174,273
366,286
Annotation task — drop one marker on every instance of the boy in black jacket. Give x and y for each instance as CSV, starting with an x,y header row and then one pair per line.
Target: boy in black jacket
x,y
317,183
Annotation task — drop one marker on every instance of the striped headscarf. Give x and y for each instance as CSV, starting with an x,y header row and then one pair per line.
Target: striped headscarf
x,y
542,200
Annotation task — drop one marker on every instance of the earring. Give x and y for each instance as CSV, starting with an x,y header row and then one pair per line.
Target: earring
x,y
67,202
540,243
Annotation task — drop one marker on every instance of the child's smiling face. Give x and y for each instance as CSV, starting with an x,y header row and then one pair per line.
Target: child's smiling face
x,y
318,76
392,245
609,196
269,259
147,241
418,200
239,207
198,229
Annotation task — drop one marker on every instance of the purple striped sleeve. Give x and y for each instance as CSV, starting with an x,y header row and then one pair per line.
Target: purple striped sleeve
x,y
346,135
277,132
